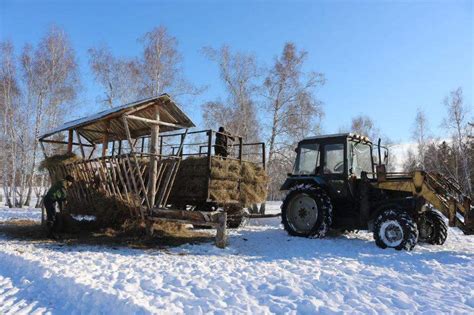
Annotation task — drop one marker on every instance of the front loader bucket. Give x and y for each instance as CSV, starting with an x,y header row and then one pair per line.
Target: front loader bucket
x,y
443,193
462,217
460,208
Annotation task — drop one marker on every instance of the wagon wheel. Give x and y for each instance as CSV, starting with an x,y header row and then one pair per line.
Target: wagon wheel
x,y
237,215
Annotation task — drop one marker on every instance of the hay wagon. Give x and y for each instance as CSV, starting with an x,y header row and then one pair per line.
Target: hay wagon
x,y
140,162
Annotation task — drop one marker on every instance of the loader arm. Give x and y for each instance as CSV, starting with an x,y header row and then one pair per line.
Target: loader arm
x,y
444,194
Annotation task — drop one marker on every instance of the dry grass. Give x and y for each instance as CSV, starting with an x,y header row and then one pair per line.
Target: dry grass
x,y
225,178
59,159
135,237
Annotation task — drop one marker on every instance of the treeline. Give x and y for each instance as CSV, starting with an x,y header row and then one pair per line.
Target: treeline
x,y
37,88
275,103
451,155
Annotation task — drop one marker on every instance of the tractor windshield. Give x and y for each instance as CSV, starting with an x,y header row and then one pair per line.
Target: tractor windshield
x,y
307,159
360,158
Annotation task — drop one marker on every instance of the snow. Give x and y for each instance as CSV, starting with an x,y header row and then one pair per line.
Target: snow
x,y
263,270
7,214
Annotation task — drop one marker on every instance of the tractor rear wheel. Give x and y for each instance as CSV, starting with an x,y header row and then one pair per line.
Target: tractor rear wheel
x,y
307,211
433,229
395,229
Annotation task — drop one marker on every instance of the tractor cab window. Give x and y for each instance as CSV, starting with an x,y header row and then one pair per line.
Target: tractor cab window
x,y
334,158
360,158
307,159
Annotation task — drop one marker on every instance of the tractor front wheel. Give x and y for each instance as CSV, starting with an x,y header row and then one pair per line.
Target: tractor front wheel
x,y
433,229
395,229
307,211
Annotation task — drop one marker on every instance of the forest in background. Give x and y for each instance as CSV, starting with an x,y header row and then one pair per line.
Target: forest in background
x,y
277,104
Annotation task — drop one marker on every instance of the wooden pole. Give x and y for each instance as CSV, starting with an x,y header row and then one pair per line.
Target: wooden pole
x,y
127,132
43,149
80,144
156,122
154,149
105,141
221,235
70,141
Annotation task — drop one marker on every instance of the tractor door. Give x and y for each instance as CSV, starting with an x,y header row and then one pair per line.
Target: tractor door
x,y
335,169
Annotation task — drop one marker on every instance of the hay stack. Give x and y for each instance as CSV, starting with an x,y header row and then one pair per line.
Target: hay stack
x,y
54,162
229,182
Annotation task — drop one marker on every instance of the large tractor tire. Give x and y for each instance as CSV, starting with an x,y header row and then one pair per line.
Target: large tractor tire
x,y
307,212
395,229
433,230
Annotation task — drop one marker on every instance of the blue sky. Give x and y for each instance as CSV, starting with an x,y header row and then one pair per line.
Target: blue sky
x,y
381,58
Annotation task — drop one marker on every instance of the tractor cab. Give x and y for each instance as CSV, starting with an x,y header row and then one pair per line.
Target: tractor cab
x,y
334,160
338,163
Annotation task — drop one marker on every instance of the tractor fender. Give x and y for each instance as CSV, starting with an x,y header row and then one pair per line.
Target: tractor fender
x,y
409,204
302,180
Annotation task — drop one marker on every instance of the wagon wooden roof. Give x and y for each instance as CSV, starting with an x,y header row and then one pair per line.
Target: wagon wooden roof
x,y
110,121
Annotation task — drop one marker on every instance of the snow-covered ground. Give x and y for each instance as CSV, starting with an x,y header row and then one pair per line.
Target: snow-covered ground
x,y
7,214
262,271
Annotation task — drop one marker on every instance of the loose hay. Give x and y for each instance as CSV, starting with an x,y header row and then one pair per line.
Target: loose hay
x,y
58,160
109,211
229,182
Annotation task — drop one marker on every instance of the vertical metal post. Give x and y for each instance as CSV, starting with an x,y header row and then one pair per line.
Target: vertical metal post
x,y
182,143
264,156
209,161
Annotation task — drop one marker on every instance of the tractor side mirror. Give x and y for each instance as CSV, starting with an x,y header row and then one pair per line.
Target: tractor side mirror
x,y
385,158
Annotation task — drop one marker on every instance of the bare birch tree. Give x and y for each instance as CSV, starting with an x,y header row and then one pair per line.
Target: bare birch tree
x,y
157,70
420,135
239,74
52,81
9,137
365,126
295,112
118,77
456,123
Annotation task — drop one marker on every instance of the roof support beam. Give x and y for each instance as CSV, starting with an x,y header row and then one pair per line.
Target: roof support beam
x,y
154,122
64,142
105,141
98,131
80,144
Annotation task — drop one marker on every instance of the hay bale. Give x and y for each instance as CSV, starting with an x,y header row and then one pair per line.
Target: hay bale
x,y
223,184
229,181
224,196
225,169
